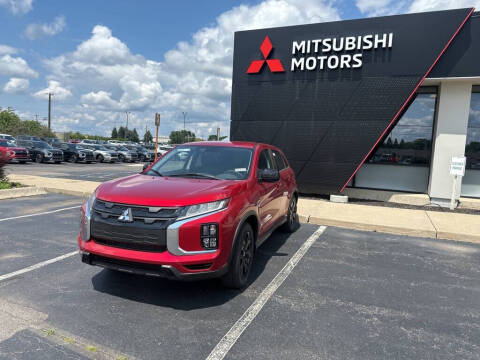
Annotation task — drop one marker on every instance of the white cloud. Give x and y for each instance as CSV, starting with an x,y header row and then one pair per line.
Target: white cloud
x,y
16,86
5,49
17,6
431,5
37,31
15,67
195,76
54,87
390,7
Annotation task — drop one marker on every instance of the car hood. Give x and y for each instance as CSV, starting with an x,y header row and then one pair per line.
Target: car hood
x,y
166,191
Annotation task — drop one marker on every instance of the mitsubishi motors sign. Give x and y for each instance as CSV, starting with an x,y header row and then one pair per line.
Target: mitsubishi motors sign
x,y
319,54
336,53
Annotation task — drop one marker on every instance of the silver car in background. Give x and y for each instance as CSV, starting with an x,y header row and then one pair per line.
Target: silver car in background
x,y
101,153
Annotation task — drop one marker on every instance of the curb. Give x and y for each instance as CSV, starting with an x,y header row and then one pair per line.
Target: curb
x,y
21,192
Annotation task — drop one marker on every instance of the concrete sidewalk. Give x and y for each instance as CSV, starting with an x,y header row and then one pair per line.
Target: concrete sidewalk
x,y
422,223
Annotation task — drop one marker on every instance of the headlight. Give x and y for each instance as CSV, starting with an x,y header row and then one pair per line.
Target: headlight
x,y
11,152
85,221
82,154
201,209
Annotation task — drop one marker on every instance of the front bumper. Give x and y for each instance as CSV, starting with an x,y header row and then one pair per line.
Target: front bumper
x,y
184,258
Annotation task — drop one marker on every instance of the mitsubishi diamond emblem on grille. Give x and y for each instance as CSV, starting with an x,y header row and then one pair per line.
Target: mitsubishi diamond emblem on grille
x,y
126,216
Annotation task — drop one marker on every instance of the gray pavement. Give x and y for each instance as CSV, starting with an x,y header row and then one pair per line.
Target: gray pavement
x,y
354,295
78,171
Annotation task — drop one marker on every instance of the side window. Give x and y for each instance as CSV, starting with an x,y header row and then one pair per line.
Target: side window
x,y
265,161
279,160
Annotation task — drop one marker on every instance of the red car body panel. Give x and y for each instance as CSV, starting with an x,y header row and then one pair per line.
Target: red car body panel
x,y
15,156
266,201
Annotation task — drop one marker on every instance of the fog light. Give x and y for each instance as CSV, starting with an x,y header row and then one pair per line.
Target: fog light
x,y
209,236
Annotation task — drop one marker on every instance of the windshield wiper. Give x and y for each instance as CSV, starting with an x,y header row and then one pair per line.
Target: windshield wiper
x,y
156,172
204,176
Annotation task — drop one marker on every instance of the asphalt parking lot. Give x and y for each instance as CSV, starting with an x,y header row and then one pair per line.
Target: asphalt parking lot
x,y
77,171
353,295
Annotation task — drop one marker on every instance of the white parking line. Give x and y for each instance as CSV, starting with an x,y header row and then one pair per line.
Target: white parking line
x,y
226,343
42,213
36,266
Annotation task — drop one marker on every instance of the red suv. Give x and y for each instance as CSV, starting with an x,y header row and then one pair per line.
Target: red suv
x,y
198,212
13,152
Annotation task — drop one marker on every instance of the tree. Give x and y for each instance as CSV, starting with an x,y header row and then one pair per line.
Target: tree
x,y
135,136
114,133
214,138
147,138
181,136
121,133
11,124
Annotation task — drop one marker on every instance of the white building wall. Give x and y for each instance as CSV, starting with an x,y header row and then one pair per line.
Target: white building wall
x,y
449,136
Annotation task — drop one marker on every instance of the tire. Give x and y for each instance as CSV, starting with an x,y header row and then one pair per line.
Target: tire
x,y
100,158
39,158
292,217
74,158
88,162
121,158
242,259
22,162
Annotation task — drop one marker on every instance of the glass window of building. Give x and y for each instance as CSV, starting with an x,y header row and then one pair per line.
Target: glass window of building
x,y
402,161
471,180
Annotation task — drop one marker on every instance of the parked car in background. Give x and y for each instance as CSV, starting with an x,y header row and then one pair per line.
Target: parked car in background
x,y
28,138
14,152
76,153
101,153
194,217
40,151
7,137
142,153
124,154
163,149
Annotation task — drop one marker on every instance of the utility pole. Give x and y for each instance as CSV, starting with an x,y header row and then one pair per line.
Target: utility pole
x,y
49,109
184,117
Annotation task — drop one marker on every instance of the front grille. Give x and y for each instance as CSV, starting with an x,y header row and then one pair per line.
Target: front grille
x,y
147,231
21,152
57,156
89,157
128,266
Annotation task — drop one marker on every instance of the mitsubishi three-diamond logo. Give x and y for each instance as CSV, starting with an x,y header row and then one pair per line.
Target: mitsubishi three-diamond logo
x,y
273,64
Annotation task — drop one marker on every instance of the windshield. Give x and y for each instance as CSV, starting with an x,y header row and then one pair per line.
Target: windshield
x,y
42,145
100,147
219,162
122,148
4,143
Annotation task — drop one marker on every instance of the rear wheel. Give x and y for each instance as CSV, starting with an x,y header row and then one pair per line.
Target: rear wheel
x,y
39,158
292,216
242,259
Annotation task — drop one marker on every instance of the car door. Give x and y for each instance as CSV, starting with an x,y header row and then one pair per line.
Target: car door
x,y
266,191
282,191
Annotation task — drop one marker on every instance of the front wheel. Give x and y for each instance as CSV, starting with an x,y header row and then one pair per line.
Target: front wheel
x,y
292,216
100,158
242,259
74,158
39,158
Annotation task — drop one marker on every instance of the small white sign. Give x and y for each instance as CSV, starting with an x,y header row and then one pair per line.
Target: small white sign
x,y
457,166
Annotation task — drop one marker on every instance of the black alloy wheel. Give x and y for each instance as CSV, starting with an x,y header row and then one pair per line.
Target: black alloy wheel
x,y
291,222
39,158
100,158
121,158
242,259
74,158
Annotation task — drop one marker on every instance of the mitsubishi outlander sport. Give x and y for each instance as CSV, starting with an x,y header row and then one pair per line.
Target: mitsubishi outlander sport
x,y
198,212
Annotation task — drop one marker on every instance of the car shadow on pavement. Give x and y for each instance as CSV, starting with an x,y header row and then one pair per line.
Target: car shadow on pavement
x,y
182,295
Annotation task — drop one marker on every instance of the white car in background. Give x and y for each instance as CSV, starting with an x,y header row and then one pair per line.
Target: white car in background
x,y
7,137
163,149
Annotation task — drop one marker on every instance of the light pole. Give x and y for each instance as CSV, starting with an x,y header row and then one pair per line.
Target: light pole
x,y
49,109
127,113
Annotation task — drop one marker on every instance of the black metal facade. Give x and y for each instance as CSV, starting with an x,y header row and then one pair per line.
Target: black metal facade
x,y
327,120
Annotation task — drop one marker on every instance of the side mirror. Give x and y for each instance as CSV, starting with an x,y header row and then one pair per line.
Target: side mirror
x,y
269,175
146,165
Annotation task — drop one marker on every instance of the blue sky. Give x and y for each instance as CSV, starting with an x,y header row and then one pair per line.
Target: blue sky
x,y
102,58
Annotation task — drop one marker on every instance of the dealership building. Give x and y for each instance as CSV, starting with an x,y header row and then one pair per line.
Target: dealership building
x,y
380,104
